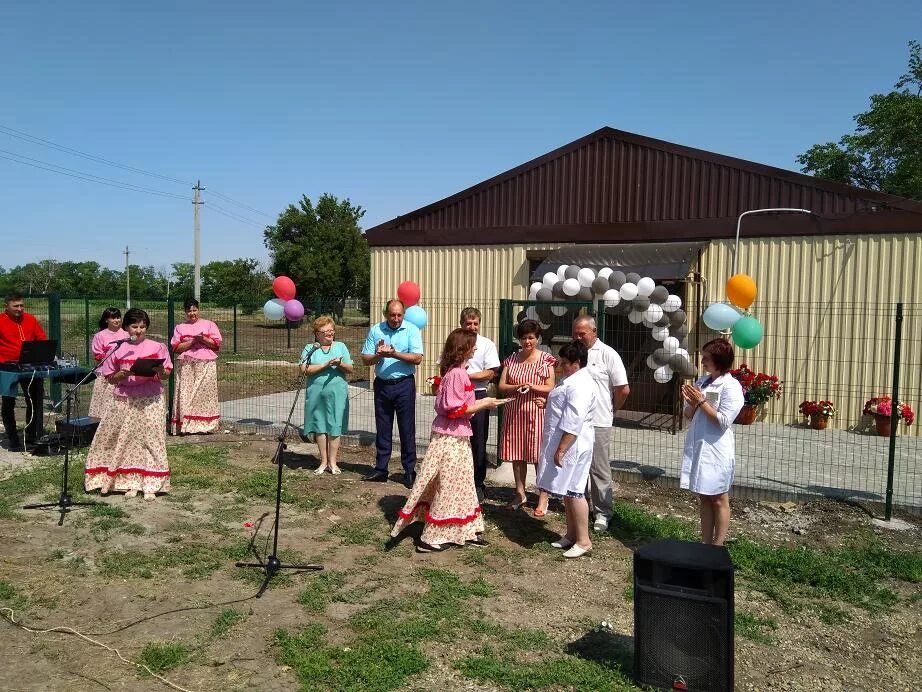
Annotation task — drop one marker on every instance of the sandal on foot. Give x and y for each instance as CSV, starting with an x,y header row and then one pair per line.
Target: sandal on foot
x,y
150,496
539,512
429,547
130,494
576,551
320,471
514,505
335,470
562,542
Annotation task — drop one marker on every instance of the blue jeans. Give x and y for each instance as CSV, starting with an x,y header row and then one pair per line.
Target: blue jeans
x,y
395,397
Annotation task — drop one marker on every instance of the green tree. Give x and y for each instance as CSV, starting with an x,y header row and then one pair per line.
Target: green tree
x,y
885,151
240,281
321,248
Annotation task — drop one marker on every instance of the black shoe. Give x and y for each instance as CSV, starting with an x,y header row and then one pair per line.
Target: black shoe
x,y
376,476
408,480
478,542
481,494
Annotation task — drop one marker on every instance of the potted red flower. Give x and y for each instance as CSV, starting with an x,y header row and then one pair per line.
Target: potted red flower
x,y
819,413
881,407
434,383
758,389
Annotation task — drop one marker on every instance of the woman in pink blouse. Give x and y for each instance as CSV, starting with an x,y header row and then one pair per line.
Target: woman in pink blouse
x,y
110,329
128,453
444,495
195,345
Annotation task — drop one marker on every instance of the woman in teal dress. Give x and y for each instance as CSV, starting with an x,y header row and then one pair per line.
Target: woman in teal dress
x,y
326,398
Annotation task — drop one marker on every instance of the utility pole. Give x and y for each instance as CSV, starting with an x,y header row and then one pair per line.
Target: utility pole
x,y
197,260
127,279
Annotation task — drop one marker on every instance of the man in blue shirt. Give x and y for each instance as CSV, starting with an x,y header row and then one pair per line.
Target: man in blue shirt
x,y
395,348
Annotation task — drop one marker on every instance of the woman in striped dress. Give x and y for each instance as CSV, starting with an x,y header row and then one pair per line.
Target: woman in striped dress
x,y
527,374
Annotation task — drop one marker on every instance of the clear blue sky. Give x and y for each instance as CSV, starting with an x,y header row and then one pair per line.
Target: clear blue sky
x,y
392,104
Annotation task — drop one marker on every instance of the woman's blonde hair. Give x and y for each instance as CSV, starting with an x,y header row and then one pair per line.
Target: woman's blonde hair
x,y
322,322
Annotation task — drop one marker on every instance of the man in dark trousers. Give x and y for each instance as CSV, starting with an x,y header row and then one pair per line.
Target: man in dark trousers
x,y
395,348
16,326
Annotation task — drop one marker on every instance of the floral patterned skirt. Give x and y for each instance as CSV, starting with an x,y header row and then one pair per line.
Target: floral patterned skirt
x,y
101,400
195,404
444,495
129,448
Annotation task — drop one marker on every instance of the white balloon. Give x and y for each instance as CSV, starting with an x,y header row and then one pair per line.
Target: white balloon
x,y
605,272
635,317
672,303
559,309
671,344
682,352
662,374
647,323
535,287
611,298
660,333
654,313
585,277
645,286
570,287
651,363
531,313
549,280
628,291
561,271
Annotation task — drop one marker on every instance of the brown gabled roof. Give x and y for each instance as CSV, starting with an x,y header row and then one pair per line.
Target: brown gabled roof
x,y
613,186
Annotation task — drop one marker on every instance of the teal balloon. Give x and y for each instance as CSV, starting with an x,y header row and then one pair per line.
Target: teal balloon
x,y
747,332
274,309
720,316
416,315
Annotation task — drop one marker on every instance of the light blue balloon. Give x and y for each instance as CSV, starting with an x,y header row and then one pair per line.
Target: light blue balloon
x,y
274,309
720,316
416,315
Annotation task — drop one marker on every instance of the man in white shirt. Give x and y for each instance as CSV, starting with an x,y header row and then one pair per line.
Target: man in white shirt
x,y
482,368
612,389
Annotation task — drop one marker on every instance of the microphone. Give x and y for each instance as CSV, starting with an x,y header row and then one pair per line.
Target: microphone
x,y
117,342
310,353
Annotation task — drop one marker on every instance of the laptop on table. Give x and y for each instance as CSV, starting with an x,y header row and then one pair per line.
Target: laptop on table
x,y
34,354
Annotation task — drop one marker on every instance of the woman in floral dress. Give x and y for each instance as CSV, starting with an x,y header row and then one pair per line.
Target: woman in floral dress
x,y
110,329
195,345
527,374
444,495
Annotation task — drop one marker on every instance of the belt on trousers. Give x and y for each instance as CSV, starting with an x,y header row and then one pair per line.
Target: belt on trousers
x,y
393,381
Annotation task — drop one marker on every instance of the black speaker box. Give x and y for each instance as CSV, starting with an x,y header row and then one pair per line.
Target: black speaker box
x,y
683,616
77,432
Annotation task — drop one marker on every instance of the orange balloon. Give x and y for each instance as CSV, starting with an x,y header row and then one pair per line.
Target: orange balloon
x,y
741,290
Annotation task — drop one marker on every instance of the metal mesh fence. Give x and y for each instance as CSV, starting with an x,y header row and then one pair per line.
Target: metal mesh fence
x,y
843,352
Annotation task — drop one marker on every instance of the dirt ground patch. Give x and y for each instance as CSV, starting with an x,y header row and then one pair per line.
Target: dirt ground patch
x,y
157,581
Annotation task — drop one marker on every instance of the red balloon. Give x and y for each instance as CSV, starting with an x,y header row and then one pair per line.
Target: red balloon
x,y
284,288
408,292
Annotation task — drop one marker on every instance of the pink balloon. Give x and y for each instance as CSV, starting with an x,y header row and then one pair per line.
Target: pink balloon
x,y
284,287
294,310
409,293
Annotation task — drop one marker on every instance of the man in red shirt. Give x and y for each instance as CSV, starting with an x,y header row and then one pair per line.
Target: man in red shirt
x,y
16,326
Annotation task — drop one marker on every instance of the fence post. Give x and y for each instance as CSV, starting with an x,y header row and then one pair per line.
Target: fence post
x,y
235,329
54,333
894,411
87,331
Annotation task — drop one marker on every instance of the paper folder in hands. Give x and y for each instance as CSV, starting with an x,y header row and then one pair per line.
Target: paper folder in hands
x,y
145,366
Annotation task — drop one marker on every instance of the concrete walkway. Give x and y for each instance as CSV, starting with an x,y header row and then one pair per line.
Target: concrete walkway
x,y
774,460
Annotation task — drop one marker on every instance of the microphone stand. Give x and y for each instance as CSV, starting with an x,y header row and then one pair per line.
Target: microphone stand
x,y
272,564
65,503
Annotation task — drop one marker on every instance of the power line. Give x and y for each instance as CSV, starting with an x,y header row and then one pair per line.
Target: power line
x,y
82,175
76,152
232,215
241,204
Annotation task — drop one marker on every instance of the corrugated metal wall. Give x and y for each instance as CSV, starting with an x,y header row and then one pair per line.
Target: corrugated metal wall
x,y
827,305
451,278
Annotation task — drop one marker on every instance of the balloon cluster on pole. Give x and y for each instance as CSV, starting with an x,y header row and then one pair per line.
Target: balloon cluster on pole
x,y
630,295
409,294
733,317
284,304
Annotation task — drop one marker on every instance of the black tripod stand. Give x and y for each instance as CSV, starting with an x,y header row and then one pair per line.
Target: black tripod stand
x,y
65,503
272,564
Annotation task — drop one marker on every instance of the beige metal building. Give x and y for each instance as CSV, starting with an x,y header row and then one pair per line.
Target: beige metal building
x,y
828,281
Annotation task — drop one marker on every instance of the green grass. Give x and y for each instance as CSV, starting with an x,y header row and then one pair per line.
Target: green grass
x,y
369,531
321,591
42,476
163,656
753,627
225,622
193,560
633,524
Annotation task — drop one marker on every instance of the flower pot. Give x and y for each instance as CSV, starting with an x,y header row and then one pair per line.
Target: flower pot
x,y
434,388
818,421
747,414
883,425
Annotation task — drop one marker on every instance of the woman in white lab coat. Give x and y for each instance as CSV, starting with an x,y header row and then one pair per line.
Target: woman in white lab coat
x,y
712,403
566,446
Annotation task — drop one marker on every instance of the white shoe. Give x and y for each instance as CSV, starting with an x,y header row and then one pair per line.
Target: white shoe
x,y
562,542
576,551
320,471
600,524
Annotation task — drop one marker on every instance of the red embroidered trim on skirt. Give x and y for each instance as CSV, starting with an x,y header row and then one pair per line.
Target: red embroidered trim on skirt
x,y
122,471
200,417
438,521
